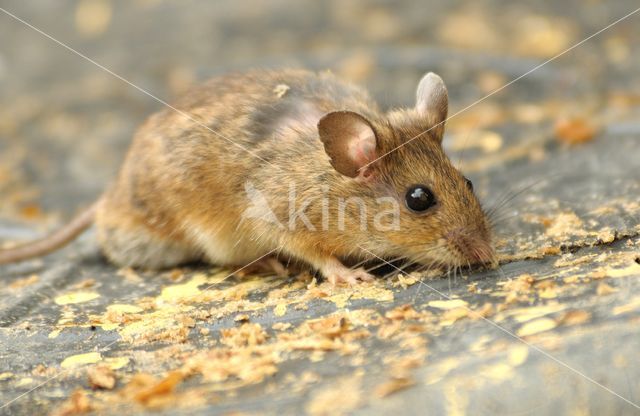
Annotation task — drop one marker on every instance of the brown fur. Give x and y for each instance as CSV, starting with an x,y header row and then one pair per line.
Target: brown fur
x,y
182,184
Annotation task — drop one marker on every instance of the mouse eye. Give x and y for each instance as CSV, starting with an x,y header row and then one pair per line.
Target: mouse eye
x,y
469,184
419,198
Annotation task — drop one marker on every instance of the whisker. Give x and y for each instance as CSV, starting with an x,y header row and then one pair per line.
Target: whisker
x,y
510,194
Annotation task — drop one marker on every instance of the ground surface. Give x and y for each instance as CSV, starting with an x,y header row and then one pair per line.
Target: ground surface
x,y
553,330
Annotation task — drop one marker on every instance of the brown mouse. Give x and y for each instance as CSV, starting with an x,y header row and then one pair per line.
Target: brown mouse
x,y
293,161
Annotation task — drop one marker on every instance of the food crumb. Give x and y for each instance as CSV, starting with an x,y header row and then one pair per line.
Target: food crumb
x,y
281,326
101,377
241,318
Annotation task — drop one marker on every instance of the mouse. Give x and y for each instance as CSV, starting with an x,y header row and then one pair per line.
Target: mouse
x,y
281,165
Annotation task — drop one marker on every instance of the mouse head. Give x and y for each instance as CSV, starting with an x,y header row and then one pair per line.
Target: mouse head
x,y
400,156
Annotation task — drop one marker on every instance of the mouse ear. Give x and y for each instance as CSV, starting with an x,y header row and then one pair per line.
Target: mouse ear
x,y
432,100
350,142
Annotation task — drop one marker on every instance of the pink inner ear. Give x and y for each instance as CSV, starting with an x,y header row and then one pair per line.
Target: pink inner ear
x,y
362,146
349,141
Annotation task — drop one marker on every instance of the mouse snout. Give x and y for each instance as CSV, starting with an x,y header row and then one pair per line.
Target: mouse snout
x,y
472,247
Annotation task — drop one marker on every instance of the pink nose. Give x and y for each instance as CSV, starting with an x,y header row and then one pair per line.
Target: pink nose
x,y
472,247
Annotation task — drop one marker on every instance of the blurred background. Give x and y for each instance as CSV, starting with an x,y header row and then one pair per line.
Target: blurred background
x,y
65,123
559,148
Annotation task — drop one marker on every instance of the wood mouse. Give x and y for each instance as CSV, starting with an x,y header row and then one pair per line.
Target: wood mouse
x,y
218,185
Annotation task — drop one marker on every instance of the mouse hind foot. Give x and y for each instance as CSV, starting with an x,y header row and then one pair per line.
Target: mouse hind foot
x,y
267,265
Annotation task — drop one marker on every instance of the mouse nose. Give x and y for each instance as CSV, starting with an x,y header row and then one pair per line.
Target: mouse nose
x,y
474,247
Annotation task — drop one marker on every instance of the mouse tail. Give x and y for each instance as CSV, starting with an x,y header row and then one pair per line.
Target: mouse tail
x,y
53,241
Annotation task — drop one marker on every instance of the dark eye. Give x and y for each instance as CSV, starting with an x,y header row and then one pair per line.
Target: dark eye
x,y
419,198
469,184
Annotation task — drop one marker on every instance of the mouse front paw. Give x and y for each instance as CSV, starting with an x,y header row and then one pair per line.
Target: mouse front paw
x,y
350,277
337,273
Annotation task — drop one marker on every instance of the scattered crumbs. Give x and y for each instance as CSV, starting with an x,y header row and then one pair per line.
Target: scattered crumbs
x,y
571,279
405,280
517,289
281,326
181,292
547,289
484,311
534,312
565,224
402,312
81,359
75,297
243,317
6,376
536,326
23,382
550,251
204,331
280,309
450,316
341,296
606,235
43,371
633,269
570,259
246,335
